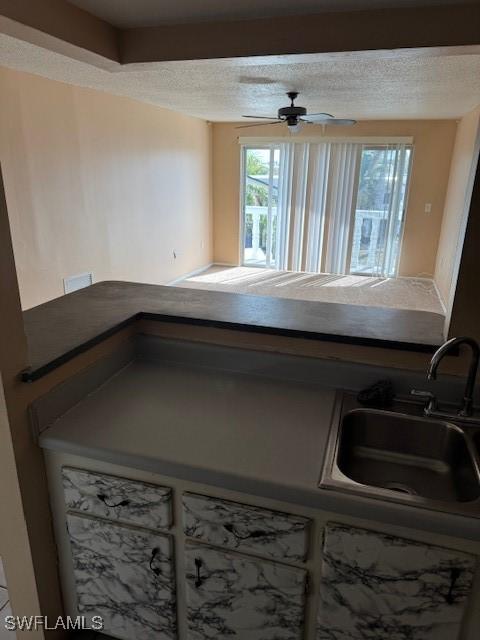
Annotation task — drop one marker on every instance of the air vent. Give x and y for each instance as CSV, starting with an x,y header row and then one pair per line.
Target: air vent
x,y
73,283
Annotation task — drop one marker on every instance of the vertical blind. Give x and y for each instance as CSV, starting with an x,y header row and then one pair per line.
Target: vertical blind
x,y
319,226
344,161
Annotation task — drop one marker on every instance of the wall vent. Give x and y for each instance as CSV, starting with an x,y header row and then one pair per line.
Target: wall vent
x,y
73,283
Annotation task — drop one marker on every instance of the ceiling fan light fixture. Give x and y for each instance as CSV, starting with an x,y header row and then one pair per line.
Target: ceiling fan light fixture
x,y
294,127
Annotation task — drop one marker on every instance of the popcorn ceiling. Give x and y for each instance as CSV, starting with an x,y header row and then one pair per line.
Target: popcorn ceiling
x,y
357,85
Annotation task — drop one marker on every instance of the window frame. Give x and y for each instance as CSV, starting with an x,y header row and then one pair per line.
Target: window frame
x,y
268,146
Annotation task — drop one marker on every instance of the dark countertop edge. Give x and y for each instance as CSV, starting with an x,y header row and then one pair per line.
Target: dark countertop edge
x,y
31,374
335,502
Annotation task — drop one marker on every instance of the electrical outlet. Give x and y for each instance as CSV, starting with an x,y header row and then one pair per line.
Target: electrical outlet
x,y
428,207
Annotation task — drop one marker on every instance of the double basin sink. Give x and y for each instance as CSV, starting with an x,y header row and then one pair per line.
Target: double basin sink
x,y
401,456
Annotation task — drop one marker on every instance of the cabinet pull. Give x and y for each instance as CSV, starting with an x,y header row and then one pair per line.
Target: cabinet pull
x,y
107,501
454,575
155,570
253,534
198,579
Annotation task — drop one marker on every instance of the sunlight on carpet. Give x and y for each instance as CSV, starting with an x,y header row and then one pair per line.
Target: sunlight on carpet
x,y
398,293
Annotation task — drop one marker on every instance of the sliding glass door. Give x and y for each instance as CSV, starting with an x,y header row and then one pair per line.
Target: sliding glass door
x,y
260,200
380,210
328,206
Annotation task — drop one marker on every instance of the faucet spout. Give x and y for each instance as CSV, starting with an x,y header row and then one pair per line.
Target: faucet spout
x,y
467,405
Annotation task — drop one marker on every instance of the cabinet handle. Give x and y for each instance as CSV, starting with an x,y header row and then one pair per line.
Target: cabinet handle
x,y
198,579
155,570
253,534
454,575
107,501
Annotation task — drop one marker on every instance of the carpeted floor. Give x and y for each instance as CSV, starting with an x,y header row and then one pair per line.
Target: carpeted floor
x,y
397,293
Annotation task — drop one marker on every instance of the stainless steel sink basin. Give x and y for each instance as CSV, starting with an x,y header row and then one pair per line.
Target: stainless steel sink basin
x,y
408,454
401,457
476,439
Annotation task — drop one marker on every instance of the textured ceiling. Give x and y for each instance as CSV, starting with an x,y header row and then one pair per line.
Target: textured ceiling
x,y
364,86
143,13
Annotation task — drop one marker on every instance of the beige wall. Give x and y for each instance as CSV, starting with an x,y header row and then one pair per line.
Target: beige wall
x,y
101,183
433,141
456,205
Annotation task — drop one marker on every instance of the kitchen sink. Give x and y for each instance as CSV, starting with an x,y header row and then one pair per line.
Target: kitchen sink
x,y
402,456
416,456
476,439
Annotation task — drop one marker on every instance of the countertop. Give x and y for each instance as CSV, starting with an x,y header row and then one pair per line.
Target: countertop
x,y
60,329
247,433
185,417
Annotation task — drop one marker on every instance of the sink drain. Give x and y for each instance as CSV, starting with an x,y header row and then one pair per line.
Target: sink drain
x,y
401,488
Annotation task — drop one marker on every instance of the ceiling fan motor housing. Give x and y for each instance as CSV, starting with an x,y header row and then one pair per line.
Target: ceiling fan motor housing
x,y
291,112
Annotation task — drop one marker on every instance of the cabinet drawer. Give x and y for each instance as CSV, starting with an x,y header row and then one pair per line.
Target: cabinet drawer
x,y
251,529
119,499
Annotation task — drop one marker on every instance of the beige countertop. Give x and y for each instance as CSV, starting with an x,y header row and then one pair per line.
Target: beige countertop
x,y
248,433
230,423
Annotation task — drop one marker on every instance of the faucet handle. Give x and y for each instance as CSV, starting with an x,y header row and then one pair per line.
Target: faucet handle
x,y
428,396
420,393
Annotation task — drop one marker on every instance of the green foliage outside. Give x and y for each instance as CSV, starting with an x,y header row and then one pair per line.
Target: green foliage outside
x,y
256,195
256,166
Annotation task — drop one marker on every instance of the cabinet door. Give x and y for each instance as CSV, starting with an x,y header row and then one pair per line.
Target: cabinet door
x,y
124,575
230,595
375,586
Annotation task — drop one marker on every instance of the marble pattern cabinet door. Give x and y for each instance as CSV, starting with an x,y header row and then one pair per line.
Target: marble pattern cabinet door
x,y
378,587
126,576
231,595
130,501
241,527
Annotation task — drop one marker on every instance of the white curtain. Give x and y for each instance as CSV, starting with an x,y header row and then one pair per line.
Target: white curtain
x,y
344,162
398,173
318,228
320,156
302,188
284,205
299,199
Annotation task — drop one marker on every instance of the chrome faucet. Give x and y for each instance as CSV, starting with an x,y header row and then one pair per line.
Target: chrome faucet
x,y
467,405
466,410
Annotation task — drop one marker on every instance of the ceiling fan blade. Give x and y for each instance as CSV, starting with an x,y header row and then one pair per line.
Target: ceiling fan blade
x,y
337,122
342,122
314,117
258,124
262,117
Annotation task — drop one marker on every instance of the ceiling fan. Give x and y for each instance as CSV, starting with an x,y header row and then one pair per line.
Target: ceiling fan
x,y
296,117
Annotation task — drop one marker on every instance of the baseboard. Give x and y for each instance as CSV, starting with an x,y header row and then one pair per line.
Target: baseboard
x,y
427,278
191,274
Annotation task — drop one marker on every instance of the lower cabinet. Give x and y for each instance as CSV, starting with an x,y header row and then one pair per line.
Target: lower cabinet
x,y
376,587
231,595
126,576
371,586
